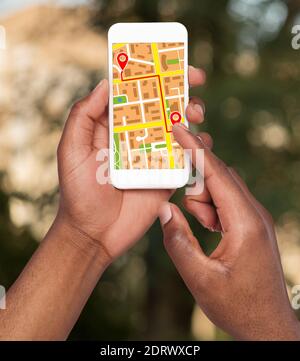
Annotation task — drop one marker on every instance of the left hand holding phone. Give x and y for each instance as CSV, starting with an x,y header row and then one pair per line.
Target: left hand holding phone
x,y
94,225
101,213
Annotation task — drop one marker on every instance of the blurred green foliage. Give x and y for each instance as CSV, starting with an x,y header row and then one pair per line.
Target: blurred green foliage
x,y
253,114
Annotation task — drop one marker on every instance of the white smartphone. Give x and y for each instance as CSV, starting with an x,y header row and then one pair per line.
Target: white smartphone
x,y
148,64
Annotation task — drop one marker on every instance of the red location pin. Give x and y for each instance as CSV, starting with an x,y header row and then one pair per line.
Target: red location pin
x,y
175,117
122,59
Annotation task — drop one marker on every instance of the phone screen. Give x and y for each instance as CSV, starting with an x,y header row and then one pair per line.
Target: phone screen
x,y
148,98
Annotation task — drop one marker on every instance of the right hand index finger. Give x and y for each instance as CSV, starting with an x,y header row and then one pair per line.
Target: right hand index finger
x,y
228,198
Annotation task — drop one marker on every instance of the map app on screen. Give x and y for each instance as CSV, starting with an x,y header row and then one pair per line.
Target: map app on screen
x,y
148,99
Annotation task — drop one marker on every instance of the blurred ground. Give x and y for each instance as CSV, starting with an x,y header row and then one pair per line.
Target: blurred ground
x,y
55,55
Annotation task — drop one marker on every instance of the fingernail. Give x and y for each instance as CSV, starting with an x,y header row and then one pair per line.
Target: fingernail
x,y
99,85
194,68
198,108
181,125
165,214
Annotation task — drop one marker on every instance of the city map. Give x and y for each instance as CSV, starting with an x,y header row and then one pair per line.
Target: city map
x,y
148,98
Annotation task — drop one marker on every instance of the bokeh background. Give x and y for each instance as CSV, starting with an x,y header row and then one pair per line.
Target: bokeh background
x,y
56,52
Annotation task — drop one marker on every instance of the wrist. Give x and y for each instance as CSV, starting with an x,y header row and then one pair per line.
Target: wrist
x,y
284,328
80,241
290,330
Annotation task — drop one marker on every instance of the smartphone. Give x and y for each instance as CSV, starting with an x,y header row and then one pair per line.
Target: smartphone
x,y
148,94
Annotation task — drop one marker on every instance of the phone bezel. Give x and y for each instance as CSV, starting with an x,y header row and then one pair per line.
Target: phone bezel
x,y
146,32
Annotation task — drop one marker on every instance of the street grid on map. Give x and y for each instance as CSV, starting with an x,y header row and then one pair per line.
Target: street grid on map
x,y
148,98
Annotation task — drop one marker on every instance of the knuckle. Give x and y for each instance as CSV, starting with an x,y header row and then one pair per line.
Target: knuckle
x,y
77,107
168,242
207,138
257,228
186,202
172,238
219,163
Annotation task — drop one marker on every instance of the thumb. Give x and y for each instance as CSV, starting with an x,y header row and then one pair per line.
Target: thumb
x,y
183,247
79,136
84,116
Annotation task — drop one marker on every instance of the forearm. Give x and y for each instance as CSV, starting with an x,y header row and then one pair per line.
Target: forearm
x,y
47,298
